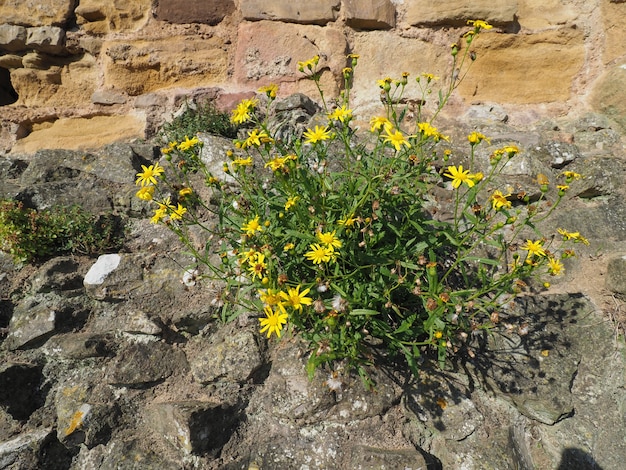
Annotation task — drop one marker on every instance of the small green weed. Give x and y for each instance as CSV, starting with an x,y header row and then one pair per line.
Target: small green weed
x,y
201,118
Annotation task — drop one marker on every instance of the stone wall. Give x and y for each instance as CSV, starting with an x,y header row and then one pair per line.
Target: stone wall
x,y
71,61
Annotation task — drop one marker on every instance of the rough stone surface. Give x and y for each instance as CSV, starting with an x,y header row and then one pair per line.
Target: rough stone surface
x,y
370,14
320,12
49,39
609,95
497,76
36,13
100,17
194,11
616,275
458,11
12,37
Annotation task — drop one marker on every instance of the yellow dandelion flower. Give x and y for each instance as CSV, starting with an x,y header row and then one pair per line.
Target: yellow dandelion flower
x,y
149,174
273,321
177,214
159,214
555,267
396,139
476,138
296,299
380,123
243,111
479,24
146,193
291,202
319,254
188,143
270,296
257,266
270,90
348,221
329,239
459,176
500,200
534,248
252,226
342,114
277,163
317,135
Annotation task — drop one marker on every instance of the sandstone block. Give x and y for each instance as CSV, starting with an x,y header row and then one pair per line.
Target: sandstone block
x,y
108,97
613,14
143,66
456,12
100,17
82,133
11,61
194,11
36,12
318,12
12,37
616,275
524,69
269,52
370,14
49,39
542,14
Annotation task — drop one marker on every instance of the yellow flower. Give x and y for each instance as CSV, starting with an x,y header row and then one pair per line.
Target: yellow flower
x,y
243,111
319,254
555,266
499,200
270,296
252,226
277,163
534,248
575,236
476,138
510,150
166,204
185,192
329,239
188,143
309,64
348,221
342,114
429,131
270,90
379,123
149,174
146,193
257,266
170,147
296,299
429,77
571,176
273,321
291,202
256,138
158,215
289,246
479,24
396,139
242,161
459,176
177,214
318,134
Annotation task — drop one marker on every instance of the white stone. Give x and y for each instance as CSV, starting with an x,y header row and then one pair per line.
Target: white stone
x,y
104,266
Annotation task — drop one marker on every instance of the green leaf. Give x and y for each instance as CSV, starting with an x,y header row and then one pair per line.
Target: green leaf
x,y
364,311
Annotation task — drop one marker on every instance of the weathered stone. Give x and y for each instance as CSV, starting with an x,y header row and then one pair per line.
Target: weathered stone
x,y
457,12
56,81
557,154
616,275
229,356
48,39
194,11
10,450
59,275
193,427
12,37
143,66
113,276
497,75
609,94
319,12
144,365
82,133
11,61
370,14
366,458
108,97
269,51
612,30
35,12
542,14
100,17
79,345
33,321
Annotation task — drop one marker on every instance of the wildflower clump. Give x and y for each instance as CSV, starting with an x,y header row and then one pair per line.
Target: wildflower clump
x,y
334,239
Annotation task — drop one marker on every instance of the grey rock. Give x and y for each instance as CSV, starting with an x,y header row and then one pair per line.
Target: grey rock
x,y
108,97
557,154
370,458
48,39
81,345
230,355
33,321
144,365
616,274
12,37
12,450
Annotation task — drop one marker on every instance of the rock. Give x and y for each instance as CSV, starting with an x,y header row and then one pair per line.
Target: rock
x,y
104,266
108,97
455,12
496,76
320,12
370,14
48,39
609,93
99,17
231,355
210,12
194,427
145,365
11,61
36,13
33,321
59,275
144,66
80,345
365,457
616,274
11,451
104,281
542,14
83,133
557,154
213,155
12,37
